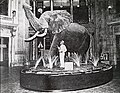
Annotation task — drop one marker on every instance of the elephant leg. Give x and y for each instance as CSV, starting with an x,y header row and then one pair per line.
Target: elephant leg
x,y
84,48
87,56
85,45
53,48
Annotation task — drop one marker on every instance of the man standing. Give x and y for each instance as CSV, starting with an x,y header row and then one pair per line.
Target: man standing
x,y
62,49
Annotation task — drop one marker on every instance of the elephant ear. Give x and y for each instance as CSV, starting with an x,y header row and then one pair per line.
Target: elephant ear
x,y
57,20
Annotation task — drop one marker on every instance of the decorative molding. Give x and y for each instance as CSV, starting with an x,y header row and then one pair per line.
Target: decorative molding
x,y
7,22
8,25
113,23
20,52
7,18
118,33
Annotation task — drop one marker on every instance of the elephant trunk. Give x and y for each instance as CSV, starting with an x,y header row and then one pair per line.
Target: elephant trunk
x,y
35,23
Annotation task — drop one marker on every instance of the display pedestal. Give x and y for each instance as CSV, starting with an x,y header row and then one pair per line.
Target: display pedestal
x,y
48,80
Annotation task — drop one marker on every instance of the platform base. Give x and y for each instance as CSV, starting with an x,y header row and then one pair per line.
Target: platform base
x,y
48,81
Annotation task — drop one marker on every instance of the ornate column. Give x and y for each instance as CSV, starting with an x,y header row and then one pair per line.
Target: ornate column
x,y
71,8
13,34
1,47
51,5
34,41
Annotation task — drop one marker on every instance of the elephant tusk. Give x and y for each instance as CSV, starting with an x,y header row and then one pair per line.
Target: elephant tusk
x,y
34,36
43,34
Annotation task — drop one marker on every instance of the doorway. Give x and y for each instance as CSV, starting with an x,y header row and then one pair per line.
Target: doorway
x,y
4,44
118,51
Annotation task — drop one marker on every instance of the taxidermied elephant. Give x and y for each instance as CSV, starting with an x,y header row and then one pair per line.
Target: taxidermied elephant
x,y
75,36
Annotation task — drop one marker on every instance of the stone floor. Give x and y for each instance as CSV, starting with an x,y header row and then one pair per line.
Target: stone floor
x,y
10,83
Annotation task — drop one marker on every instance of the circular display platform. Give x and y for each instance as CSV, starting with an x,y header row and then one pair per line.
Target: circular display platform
x,y
48,80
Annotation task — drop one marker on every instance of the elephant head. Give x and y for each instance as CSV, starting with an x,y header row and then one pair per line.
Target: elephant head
x,y
55,21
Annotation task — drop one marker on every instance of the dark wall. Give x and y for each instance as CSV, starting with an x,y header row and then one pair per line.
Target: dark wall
x,y
4,7
80,14
118,6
